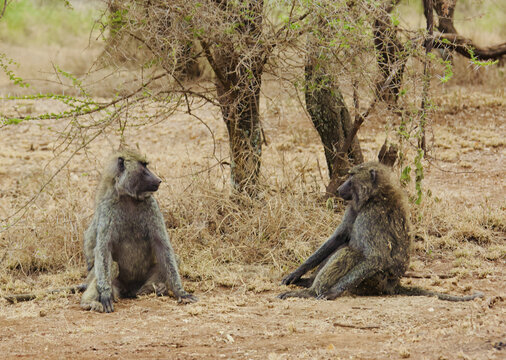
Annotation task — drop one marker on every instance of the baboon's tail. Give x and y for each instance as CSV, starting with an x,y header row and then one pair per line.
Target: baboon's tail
x,y
416,291
27,297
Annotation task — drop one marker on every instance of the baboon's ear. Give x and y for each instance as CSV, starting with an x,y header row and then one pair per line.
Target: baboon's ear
x,y
373,175
121,164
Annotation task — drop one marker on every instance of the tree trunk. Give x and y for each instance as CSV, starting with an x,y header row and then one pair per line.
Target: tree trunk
x,y
444,11
329,114
239,78
240,110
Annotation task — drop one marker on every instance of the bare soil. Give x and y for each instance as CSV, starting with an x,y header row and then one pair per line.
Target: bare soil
x,y
234,325
240,323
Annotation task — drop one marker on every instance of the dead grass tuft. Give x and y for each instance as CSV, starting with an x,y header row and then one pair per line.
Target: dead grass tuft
x,y
464,236
232,241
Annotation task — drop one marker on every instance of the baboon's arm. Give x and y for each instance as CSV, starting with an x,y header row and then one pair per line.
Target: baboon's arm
x,y
103,263
166,258
90,236
340,236
353,278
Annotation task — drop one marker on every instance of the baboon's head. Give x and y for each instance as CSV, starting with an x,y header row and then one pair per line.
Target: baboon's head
x,y
366,181
128,173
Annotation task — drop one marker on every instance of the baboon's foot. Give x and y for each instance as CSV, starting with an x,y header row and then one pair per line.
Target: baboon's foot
x,y
187,299
330,294
160,289
93,306
304,294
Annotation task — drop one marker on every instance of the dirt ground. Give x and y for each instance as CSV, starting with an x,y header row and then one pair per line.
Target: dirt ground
x,y
239,323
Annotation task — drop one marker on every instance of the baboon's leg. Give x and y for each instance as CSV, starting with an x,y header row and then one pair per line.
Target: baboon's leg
x,y
166,260
359,270
305,294
91,298
340,237
380,283
304,282
154,284
337,266
308,282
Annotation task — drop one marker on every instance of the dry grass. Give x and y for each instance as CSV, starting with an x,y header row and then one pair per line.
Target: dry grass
x,y
233,243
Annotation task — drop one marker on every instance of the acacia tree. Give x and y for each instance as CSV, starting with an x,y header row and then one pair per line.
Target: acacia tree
x,y
342,36
238,63
328,111
235,41
324,48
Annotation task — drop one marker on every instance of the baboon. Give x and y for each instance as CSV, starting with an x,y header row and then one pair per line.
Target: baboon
x,y
127,248
368,253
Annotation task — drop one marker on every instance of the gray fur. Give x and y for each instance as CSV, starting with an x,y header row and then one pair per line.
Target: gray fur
x,y
127,248
369,251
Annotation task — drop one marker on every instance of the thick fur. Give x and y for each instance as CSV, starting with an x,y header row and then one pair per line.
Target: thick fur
x,y
127,248
369,251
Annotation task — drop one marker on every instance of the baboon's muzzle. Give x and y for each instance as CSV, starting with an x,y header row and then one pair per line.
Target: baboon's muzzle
x,y
151,181
344,190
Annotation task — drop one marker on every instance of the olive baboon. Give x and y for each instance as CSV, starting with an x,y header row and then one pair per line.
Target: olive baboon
x,y
127,248
369,251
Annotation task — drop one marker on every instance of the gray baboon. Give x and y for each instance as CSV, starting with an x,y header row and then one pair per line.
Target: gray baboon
x,y
126,246
369,251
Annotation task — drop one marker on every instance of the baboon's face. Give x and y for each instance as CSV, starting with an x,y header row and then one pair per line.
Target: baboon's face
x,y
360,185
135,179
345,190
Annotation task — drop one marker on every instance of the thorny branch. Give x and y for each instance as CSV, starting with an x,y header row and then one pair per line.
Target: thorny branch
x,y
466,47
24,207
3,9
428,8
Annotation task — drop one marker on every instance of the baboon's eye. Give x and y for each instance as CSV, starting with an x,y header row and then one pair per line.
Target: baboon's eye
x,y
144,163
374,175
121,164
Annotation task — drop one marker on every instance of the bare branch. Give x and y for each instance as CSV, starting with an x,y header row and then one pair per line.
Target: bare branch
x,y
466,47
3,9
217,70
428,9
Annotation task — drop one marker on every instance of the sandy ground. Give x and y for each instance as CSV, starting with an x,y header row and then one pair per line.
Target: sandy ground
x,y
238,325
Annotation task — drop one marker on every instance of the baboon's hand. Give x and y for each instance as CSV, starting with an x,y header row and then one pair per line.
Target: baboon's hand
x,y
284,295
187,299
106,301
290,278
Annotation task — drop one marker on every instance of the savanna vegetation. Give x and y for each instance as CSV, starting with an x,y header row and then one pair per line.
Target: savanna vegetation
x,y
248,111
